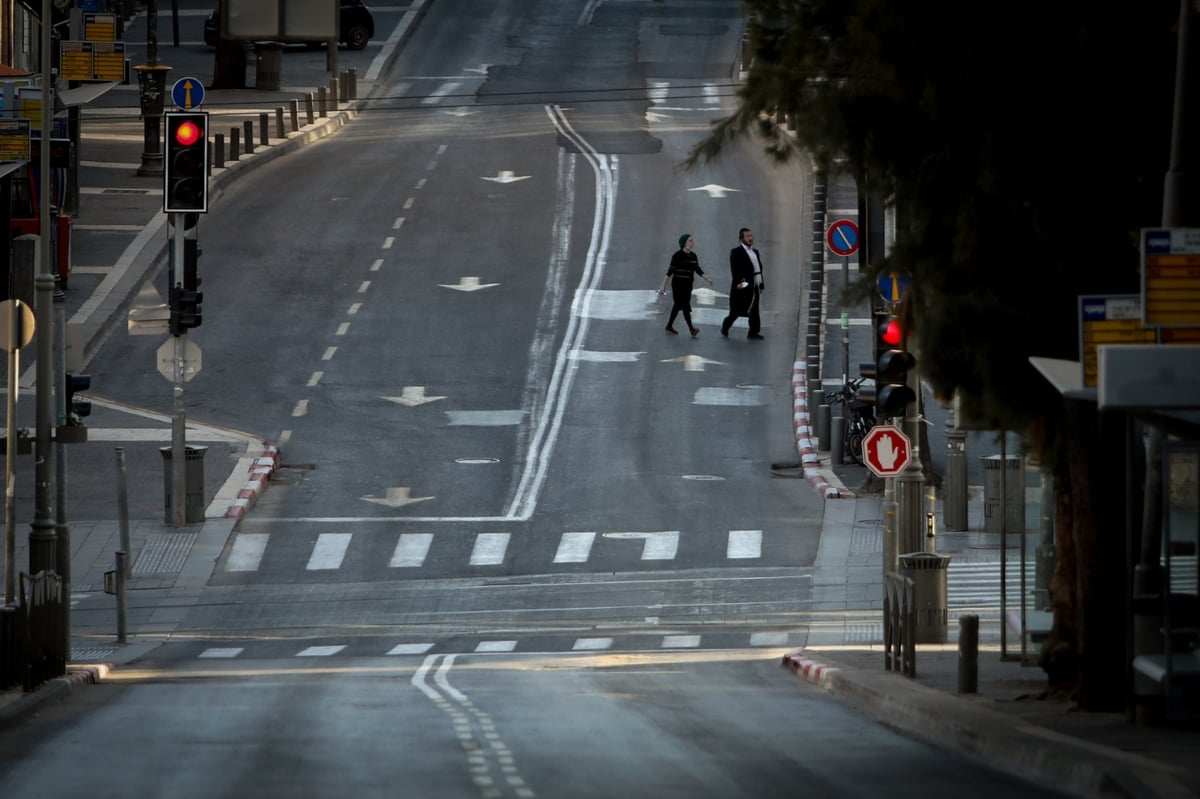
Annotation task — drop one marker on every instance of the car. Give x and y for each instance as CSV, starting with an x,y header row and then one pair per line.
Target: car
x,y
355,24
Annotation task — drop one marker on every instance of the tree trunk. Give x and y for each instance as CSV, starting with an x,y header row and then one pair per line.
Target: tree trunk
x,y
1089,586
229,65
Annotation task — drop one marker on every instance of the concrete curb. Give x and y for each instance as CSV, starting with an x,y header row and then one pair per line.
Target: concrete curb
x,y
261,470
1002,742
27,703
824,481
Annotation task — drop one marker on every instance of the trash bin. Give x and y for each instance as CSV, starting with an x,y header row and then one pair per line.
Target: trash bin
x,y
193,484
928,572
1014,489
268,65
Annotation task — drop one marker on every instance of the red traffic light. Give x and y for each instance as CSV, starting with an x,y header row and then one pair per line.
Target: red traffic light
x,y
890,333
188,133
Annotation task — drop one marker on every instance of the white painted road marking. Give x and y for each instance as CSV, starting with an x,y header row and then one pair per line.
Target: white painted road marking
x,y
656,546
574,547
247,552
744,544
411,549
329,551
320,651
489,549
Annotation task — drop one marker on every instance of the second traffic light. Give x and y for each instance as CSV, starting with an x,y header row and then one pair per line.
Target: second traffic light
x,y
185,309
892,393
185,163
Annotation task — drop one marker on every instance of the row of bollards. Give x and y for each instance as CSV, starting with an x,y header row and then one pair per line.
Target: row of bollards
x,y
317,105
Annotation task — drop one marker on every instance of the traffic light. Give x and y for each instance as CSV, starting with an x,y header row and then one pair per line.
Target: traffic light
x,y
889,335
891,394
185,309
185,167
76,409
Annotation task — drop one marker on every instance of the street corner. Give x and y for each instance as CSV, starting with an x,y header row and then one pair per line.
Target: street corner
x,y
808,668
261,465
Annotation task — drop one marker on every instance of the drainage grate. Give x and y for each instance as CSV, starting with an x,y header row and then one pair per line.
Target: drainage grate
x,y
164,553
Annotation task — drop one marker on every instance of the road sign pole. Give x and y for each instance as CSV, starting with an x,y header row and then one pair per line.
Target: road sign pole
x,y
178,418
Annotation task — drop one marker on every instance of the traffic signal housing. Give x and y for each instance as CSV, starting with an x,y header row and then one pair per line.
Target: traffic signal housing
x,y
185,163
891,394
185,309
75,409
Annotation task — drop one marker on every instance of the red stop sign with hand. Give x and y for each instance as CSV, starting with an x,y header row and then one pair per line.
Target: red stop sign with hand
x,y
886,450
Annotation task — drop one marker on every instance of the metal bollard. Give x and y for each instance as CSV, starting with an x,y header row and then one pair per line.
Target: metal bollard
x,y
308,109
122,596
294,111
353,83
954,507
822,427
837,438
968,654
333,93
123,509
219,151
262,129
279,131
321,97
235,144
249,126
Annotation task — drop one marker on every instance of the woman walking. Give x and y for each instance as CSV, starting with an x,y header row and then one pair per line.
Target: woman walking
x,y
682,271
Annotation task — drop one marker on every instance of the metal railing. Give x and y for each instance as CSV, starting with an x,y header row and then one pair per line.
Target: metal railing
x,y
899,624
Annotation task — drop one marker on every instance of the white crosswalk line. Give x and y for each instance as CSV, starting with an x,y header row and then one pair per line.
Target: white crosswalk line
x,y
656,546
410,649
247,552
590,644
222,652
768,639
411,549
574,547
977,583
320,651
489,549
744,544
329,551
680,641
496,646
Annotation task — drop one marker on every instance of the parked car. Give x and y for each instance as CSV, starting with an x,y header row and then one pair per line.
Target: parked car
x,y
356,26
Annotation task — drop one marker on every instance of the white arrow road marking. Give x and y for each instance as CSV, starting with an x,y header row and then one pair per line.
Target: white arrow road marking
x,y
412,396
692,363
489,549
411,549
714,190
653,117
396,498
505,176
574,547
329,551
468,284
657,546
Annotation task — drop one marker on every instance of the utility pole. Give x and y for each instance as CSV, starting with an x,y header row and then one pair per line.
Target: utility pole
x,y
42,537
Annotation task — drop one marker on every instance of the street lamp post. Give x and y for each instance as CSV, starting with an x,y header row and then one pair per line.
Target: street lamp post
x,y
152,82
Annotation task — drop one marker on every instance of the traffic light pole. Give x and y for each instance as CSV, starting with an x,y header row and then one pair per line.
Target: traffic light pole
x,y
178,418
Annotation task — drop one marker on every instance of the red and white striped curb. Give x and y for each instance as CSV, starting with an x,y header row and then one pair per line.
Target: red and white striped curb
x,y
810,461
260,475
811,670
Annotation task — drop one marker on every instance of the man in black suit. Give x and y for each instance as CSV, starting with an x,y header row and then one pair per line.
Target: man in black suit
x,y
746,270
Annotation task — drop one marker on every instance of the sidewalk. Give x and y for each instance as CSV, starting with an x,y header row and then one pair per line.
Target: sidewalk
x,y
1008,723
119,241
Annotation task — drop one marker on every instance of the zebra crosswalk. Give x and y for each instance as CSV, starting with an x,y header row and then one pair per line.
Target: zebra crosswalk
x,y
329,551
531,644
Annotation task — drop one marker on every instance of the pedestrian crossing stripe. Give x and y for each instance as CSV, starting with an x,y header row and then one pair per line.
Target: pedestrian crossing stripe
x,y
758,640
489,549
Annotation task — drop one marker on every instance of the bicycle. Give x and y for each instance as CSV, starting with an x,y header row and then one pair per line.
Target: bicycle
x,y
859,416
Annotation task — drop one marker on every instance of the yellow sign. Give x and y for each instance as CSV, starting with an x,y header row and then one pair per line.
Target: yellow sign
x,y
1171,277
100,27
14,139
